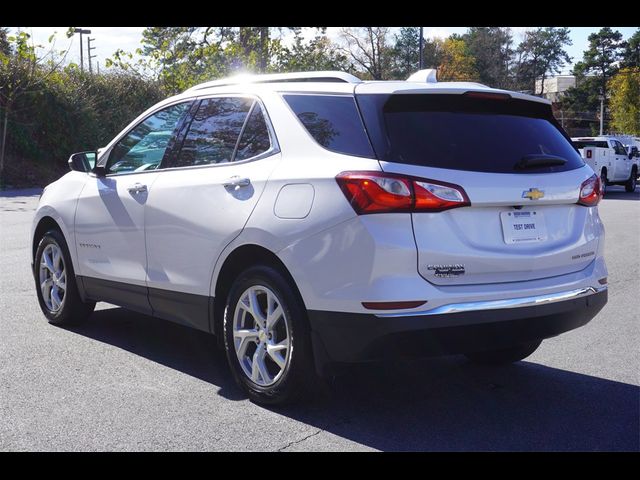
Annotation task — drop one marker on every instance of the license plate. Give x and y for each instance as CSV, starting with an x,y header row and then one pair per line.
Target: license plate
x,y
524,226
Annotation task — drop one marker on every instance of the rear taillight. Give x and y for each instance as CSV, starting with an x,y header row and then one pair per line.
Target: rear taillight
x,y
590,191
589,153
378,192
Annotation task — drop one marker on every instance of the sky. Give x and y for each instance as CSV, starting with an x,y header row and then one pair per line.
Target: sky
x,y
109,39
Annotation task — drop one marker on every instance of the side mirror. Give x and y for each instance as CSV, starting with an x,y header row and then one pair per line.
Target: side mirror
x,y
82,161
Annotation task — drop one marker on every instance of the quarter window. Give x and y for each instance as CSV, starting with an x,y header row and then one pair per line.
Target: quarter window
x,y
214,132
144,147
333,121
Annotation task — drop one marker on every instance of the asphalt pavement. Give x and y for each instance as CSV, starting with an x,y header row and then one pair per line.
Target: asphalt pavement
x,y
124,381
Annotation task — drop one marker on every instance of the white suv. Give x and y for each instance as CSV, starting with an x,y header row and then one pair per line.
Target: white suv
x,y
311,220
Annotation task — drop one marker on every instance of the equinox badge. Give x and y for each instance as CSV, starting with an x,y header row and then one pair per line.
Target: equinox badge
x,y
533,194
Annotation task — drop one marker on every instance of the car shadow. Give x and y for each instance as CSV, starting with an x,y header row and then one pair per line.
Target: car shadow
x,y
23,192
617,192
434,404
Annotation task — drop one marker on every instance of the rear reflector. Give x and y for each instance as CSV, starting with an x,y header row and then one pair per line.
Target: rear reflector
x,y
590,191
379,192
392,305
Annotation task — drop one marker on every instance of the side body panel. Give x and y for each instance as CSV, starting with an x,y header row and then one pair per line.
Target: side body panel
x,y
110,228
59,201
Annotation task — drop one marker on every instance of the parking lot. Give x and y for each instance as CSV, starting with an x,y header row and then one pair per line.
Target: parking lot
x,y
124,381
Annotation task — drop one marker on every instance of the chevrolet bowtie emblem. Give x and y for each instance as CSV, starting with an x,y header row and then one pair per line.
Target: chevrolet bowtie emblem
x,y
533,194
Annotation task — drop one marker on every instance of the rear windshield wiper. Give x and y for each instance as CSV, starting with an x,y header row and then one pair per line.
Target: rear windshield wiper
x,y
538,160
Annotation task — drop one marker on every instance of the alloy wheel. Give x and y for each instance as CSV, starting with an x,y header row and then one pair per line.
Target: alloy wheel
x,y
53,277
261,336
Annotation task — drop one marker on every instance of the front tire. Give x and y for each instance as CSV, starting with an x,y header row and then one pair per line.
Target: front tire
x,y
505,355
56,282
630,186
266,336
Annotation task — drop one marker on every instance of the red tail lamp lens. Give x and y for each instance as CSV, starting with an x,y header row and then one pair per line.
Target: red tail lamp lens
x,y
378,192
590,191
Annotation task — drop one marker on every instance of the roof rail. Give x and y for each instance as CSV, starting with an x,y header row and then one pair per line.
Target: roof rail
x,y
323,76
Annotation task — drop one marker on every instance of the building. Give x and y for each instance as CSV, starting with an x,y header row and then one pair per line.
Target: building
x,y
554,87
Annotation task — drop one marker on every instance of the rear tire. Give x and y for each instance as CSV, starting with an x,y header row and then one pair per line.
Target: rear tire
x,y
268,347
504,356
56,282
630,186
603,181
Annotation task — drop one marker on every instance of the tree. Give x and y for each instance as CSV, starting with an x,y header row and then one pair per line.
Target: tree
x,y
21,73
631,53
316,54
625,101
542,52
491,48
183,56
601,57
457,63
368,48
5,47
579,105
406,52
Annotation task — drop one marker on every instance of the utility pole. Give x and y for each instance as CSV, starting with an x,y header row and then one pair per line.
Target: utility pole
x,y
601,113
89,56
81,31
421,44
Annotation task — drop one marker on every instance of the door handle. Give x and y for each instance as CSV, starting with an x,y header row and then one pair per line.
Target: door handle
x,y
237,181
137,188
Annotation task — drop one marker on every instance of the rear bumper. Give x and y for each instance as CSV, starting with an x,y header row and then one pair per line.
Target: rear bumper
x,y
352,337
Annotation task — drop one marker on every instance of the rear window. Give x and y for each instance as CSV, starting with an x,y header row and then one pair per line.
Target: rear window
x,y
582,144
333,121
462,133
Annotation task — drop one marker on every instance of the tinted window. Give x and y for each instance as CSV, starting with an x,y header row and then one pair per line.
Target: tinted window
x,y
255,137
144,147
333,121
214,131
620,150
590,143
463,133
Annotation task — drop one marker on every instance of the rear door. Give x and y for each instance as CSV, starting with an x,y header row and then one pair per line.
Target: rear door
x,y
520,172
202,199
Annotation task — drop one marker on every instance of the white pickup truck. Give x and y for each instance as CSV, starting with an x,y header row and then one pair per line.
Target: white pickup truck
x,y
608,157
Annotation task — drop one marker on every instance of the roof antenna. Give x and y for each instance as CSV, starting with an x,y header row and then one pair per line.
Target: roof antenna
x,y
427,75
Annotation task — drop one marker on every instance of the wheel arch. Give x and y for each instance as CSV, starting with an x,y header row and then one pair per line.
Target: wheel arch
x,y
45,224
239,259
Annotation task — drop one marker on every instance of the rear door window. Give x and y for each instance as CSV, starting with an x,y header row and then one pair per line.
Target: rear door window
x,y
214,131
462,133
255,138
